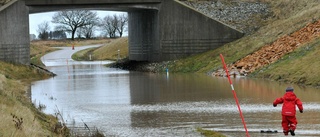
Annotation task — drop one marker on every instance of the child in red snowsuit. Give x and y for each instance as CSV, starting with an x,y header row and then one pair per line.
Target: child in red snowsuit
x,y
289,100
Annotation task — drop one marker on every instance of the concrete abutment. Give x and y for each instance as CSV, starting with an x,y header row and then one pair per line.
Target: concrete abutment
x,y
185,31
175,31
14,33
143,35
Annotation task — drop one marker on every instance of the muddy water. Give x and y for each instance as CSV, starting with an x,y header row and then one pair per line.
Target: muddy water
x,y
122,103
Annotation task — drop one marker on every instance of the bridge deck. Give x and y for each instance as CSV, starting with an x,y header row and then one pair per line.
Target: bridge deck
x,y
36,6
87,2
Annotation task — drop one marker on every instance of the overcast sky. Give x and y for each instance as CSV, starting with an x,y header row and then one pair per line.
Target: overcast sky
x,y
36,19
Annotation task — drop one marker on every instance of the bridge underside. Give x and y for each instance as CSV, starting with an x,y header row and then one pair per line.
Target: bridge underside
x,y
158,29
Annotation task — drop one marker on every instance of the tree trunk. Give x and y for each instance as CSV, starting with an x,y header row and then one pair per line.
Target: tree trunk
x,y
73,32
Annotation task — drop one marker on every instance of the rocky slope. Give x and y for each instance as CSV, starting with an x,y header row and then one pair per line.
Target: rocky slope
x,y
245,16
271,53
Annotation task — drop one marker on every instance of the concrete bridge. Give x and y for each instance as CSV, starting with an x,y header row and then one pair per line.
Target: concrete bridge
x,y
158,29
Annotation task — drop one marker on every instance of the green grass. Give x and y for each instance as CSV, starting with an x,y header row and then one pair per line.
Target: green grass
x,y
83,55
209,133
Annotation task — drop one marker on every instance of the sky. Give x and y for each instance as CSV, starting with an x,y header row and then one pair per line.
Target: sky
x,y
38,18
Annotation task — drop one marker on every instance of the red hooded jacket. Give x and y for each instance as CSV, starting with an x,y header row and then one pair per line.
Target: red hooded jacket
x,y
289,101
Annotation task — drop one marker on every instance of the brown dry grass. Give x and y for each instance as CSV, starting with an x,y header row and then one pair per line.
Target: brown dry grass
x,y
14,86
68,43
37,51
11,102
20,72
108,51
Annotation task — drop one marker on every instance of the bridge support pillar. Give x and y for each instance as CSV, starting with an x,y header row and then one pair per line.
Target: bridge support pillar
x,y
143,35
14,32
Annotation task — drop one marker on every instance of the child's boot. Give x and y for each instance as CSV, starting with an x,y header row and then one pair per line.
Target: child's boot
x,y
292,132
285,132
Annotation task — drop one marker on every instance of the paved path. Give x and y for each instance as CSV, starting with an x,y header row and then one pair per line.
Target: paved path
x,y
63,56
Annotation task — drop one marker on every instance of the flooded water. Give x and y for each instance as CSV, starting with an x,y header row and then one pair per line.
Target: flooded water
x,y
133,104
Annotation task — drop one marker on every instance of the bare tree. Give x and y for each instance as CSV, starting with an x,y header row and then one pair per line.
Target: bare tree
x,y
122,22
114,24
70,21
88,30
108,26
78,33
43,30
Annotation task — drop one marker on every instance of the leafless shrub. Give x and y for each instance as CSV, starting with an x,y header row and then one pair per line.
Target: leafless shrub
x,y
17,121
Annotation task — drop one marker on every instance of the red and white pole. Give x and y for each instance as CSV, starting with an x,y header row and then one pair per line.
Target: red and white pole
x,y
234,95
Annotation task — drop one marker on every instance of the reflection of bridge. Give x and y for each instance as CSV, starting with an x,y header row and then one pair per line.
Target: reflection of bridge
x,y
158,29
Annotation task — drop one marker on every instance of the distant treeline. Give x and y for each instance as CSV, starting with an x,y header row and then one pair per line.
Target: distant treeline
x,y
83,24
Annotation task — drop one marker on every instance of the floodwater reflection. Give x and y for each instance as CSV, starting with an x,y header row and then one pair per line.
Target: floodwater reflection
x,y
123,103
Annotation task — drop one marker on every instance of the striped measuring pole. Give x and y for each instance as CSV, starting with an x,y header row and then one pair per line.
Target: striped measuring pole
x,y
234,95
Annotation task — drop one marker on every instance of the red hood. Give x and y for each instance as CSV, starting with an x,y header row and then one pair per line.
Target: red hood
x,y
289,96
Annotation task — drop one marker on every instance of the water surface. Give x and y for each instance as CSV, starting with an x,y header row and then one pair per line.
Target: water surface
x,y
124,103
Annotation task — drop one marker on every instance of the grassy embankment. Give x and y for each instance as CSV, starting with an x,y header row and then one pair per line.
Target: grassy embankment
x,y
108,51
283,22
288,17
19,117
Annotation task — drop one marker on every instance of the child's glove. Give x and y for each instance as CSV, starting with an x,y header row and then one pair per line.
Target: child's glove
x,y
274,105
301,111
